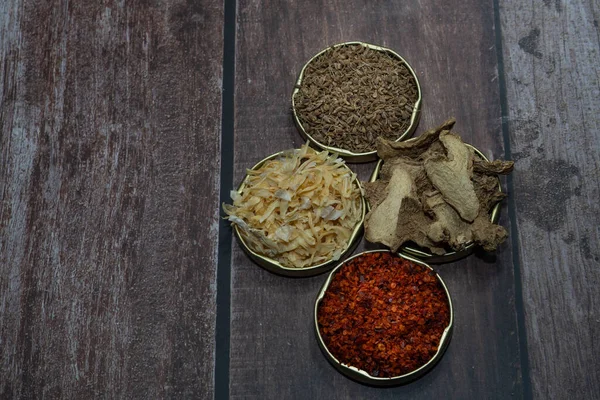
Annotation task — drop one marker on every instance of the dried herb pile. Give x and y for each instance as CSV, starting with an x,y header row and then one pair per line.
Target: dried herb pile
x,y
383,314
350,95
436,192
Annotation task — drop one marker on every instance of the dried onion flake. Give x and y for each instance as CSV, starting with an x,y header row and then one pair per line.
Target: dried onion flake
x,y
299,209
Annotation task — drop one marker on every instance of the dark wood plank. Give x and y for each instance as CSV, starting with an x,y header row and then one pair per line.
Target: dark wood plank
x,y
110,115
551,52
452,47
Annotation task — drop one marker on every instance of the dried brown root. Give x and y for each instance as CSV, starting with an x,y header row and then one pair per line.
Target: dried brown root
x,y
434,191
451,175
385,212
496,167
414,148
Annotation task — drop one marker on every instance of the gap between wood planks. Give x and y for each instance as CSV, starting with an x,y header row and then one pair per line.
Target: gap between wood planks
x,y
514,237
223,318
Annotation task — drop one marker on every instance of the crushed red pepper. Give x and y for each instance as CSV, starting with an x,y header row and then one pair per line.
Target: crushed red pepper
x,y
383,314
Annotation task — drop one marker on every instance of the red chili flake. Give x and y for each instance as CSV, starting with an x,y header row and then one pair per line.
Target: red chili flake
x,y
383,314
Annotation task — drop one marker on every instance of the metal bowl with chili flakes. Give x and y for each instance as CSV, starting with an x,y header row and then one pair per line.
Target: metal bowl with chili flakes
x,y
383,319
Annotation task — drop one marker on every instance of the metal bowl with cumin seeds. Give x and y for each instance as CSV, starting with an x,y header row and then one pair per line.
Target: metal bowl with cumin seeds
x,y
351,93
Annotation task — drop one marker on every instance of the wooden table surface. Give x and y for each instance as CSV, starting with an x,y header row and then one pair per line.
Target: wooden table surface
x,y
124,124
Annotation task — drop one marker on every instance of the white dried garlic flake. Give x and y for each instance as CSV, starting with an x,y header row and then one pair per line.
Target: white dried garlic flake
x,y
299,209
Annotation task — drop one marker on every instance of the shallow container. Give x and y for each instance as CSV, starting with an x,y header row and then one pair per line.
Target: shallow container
x,y
424,254
273,265
347,154
363,376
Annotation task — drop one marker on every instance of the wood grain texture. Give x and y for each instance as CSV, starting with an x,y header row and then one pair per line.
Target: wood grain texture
x,y
109,124
274,354
552,52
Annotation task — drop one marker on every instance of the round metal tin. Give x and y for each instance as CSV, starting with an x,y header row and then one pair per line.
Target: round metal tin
x,y
347,154
362,376
450,256
276,267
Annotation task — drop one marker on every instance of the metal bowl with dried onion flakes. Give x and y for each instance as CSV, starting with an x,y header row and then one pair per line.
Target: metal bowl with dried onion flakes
x,y
298,211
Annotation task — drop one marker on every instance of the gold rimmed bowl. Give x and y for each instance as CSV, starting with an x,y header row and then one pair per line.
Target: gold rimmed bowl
x,y
450,256
361,375
349,155
275,266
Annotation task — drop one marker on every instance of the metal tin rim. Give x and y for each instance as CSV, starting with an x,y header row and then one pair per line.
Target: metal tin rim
x,y
452,255
346,154
276,267
363,376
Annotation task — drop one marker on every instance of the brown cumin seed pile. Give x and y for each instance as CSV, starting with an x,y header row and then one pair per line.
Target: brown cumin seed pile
x,y
352,94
